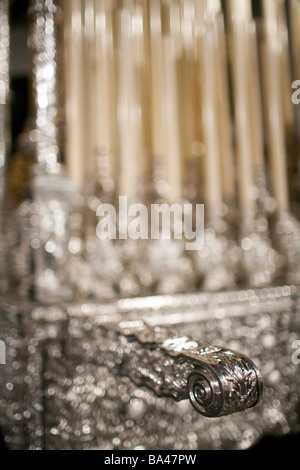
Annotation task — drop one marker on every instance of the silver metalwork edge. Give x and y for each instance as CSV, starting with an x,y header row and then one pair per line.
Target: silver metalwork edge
x,y
218,381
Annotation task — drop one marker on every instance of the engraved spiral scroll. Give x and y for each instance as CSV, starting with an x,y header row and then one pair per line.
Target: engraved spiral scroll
x,y
217,381
205,393
225,383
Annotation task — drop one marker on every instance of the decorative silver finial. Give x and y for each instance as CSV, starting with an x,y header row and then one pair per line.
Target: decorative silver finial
x,y
4,135
4,91
44,16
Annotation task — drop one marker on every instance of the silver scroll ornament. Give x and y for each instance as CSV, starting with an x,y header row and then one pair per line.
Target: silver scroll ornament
x,y
217,381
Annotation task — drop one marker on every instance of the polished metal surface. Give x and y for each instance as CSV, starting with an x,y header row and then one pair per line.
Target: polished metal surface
x,y
217,381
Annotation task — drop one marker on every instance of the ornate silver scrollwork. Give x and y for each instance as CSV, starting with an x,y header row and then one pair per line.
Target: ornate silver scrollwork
x,y
217,381
76,363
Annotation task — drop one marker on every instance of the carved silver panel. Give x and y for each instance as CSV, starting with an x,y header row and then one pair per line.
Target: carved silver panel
x,y
87,373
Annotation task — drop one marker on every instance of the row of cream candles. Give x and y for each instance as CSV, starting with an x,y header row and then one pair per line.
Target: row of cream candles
x,y
165,140
164,94
98,130
84,132
248,107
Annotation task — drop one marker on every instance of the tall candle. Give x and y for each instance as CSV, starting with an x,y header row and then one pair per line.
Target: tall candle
x,y
188,71
187,25
73,37
90,108
143,86
129,112
240,13
173,150
294,18
224,115
157,91
104,77
213,183
285,67
275,113
176,25
257,126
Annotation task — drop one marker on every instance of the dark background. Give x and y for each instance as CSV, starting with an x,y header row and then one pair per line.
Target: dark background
x,y
20,68
20,92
